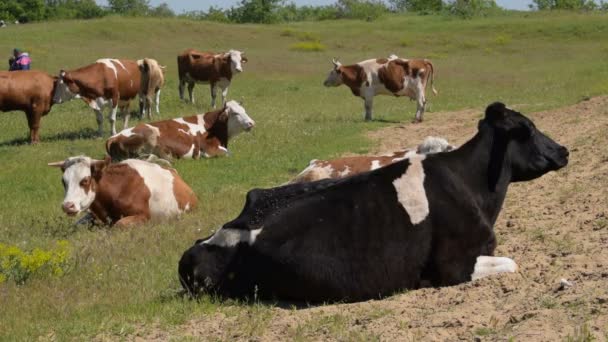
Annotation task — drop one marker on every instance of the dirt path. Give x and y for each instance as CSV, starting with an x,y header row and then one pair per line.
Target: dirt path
x,y
554,227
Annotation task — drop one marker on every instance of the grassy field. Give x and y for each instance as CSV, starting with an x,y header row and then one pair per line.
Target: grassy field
x,y
121,282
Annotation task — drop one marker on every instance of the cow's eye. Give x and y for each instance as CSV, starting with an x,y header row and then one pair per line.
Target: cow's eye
x,y
85,182
65,185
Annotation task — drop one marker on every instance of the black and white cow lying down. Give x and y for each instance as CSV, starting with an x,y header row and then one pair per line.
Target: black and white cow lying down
x,y
428,217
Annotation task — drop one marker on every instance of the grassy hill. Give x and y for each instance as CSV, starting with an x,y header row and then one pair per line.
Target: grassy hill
x,y
119,282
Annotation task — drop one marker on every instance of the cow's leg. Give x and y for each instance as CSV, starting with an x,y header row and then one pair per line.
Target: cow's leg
x,y
190,89
33,122
454,259
99,118
113,119
213,94
182,83
131,221
369,101
420,102
127,115
224,94
489,265
157,102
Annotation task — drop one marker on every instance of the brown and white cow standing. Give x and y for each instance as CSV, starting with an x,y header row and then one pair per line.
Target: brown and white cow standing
x,y
348,166
30,91
217,69
385,76
127,193
107,82
152,79
187,137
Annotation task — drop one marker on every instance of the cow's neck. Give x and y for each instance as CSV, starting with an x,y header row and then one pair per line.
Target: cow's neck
x,y
217,128
353,77
224,68
476,169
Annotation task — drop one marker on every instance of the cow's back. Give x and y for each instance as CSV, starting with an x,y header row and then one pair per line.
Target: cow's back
x,y
196,65
20,90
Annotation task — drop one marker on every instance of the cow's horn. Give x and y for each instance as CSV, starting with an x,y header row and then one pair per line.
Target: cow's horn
x,y
334,61
57,164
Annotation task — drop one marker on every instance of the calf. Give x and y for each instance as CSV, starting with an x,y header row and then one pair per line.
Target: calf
x,y
29,91
107,82
427,217
152,79
188,137
216,69
127,193
385,76
348,166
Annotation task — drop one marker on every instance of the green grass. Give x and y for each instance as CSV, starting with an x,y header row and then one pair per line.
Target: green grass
x,y
124,278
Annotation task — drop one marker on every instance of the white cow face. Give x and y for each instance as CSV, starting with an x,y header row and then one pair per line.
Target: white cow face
x,y
238,120
236,60
334,78
62,92
78,182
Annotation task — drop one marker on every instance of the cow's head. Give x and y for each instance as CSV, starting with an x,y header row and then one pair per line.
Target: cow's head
x,y
237,59
520,146
237,118
334,78
65,88
80,175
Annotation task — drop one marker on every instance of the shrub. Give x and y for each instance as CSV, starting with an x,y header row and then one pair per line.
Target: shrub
x,y
18,265
467,9
308,46
361,9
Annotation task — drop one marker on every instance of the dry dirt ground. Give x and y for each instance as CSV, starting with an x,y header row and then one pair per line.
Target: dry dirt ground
x,y
554,227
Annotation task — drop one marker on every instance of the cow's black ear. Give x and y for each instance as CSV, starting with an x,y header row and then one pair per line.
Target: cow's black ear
x,y
495,112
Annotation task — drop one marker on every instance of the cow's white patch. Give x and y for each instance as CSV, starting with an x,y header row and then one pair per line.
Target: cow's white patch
x,y
228,237
108,62
125,132
153,138
193,129
99,103
488,265
345,172
410,190
190,152
375,165
159,181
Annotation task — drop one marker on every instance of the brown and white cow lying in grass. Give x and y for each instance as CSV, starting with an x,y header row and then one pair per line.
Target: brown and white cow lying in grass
x,y
152,79
348,166
385,76
127,193
187,137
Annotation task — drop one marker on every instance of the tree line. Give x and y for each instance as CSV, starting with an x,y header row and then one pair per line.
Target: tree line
x,y
270,11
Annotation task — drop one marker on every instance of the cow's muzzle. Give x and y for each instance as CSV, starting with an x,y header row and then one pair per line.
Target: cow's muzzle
x,y
70,208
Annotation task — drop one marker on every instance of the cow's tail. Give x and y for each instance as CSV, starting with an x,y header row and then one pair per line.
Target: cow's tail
x,y
432,75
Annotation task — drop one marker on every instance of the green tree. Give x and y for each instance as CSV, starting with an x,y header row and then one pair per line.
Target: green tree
x,y
255,11
129,7
565,5
162,10
421,6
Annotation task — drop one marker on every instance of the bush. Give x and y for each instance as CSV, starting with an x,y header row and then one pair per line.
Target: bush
x,y
420,6
18,265
255,11
566,5
467,9
308,46
361,9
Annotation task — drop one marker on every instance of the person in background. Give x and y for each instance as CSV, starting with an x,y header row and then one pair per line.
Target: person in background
x,y
20,61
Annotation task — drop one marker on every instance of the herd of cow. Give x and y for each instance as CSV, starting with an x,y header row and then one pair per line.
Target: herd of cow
x,y
346,229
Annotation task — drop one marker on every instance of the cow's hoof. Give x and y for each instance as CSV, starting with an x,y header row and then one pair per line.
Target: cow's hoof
x,y
416,121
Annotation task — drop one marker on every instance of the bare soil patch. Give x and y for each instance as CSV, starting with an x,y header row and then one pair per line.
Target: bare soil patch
x,y
554,227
